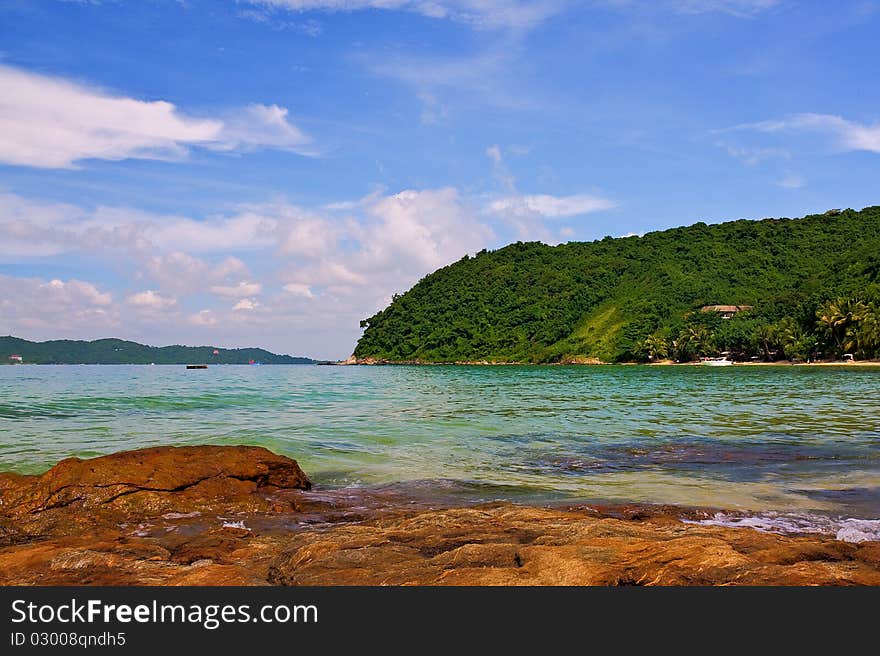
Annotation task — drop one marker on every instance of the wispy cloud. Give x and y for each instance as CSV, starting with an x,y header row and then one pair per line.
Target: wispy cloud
x,y
754,155
309,27
475,72
480,14
499,168
844,134
549,207
49,122
738,8
446,83
741,8
528,211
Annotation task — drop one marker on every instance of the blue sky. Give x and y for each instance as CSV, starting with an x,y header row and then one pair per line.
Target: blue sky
x,y
269,172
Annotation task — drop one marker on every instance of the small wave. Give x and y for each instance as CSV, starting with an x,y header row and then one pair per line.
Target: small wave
x,y
239,524
846,529
859,530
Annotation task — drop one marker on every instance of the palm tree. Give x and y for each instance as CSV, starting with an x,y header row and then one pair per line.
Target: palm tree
x,y
765,336
694,341
790,336
654,347
836,319
865,336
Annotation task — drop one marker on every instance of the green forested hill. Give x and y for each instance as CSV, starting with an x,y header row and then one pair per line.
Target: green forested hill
x,y
117,351
636,298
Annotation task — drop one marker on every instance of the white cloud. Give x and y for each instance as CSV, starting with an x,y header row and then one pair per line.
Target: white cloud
x,y
549,207
215,234
341,206
484,14
49,122
75,290
419,230
203,318
299,289
304,233
240,290
151,300
246,304
845,134
261,126
294,271
324,273
184,274
32,305
527,212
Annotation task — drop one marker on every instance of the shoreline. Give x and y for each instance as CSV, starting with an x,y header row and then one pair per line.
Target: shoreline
x,y
213,515
370,362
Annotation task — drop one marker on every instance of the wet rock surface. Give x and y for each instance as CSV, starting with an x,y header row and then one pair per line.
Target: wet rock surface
x,y
245,516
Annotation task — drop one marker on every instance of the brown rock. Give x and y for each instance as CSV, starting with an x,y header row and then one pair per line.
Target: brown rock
x,y
159,479
514,545
244,516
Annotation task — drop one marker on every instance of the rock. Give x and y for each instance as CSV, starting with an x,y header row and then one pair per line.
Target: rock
x,y
245,516
159,479
514,545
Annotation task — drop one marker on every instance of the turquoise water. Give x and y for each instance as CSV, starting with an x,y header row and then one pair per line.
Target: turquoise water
x,y
788,440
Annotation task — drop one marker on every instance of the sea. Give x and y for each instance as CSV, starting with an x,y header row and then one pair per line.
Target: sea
x,y
779,448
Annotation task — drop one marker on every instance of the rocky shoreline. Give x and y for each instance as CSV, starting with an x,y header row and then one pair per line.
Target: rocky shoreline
x,y
216,515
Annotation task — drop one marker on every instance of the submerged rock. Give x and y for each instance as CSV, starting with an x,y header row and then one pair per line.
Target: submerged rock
x,y
245,516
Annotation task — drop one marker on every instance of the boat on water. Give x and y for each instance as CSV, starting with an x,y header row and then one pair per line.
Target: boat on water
x,y
196,366
716,362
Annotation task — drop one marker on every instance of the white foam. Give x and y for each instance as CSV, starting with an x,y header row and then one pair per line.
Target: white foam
x,y
859,530
235,525
846,529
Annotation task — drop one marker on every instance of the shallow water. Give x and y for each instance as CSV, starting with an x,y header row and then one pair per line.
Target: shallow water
x,y
771,441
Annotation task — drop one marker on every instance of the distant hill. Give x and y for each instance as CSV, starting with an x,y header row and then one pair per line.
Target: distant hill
x,y
637,298
118,351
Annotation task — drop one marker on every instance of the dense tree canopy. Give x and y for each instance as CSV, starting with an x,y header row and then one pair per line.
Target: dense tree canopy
x,y
812,284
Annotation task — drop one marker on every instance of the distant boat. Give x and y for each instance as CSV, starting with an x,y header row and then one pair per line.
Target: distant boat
x,y
196,366
716,362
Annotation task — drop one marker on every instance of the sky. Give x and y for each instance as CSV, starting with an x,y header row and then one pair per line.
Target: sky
x,y
270,172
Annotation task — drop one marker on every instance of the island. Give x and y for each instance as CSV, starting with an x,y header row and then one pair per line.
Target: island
x,y
803,289
14,350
